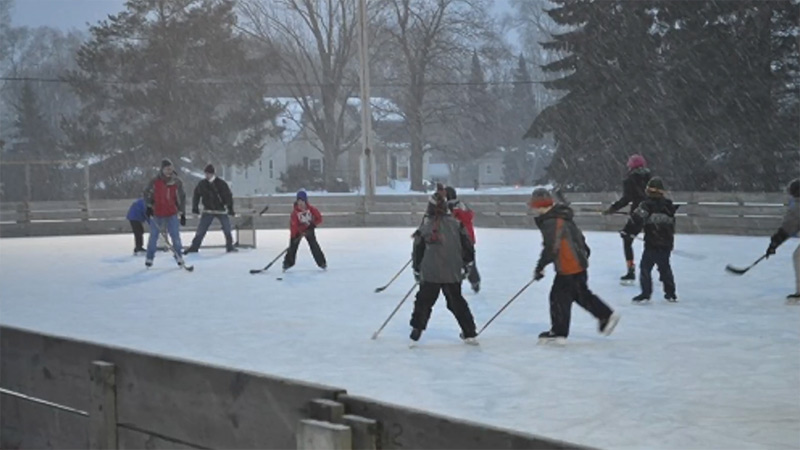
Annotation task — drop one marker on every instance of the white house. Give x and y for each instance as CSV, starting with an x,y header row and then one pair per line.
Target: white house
x,y
298,145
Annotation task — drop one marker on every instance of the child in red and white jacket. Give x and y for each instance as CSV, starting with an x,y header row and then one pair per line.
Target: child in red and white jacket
x,y
305,218
465,215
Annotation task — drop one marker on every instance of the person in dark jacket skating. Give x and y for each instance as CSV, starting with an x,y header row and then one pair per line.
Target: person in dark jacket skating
x,y
656,215
633,188
137,216
465,215
563,245
217,203
165,200
789,227
441,256
304,220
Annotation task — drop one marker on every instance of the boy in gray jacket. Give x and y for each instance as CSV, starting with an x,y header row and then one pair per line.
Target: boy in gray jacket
x,y
790,227
441,256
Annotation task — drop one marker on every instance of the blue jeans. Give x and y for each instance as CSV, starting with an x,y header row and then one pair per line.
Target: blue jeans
x,y
205,223
173,229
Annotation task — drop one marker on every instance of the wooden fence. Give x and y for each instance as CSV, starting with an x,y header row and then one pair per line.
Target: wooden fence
x,y
700,212
62,393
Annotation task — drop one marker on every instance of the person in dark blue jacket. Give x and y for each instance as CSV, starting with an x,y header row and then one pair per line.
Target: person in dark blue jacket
x,y
137,216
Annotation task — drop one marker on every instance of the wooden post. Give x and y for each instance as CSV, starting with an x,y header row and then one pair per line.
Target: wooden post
x,y
86,193
103,406
28,183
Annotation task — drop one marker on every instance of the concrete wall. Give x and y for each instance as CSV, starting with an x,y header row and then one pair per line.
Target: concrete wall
x,y
64,393
700,212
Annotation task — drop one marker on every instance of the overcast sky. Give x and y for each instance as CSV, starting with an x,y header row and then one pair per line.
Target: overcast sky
x,y
68,14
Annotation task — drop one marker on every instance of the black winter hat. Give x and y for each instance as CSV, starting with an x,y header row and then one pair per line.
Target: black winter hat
x,y
793,188
656,186
451,193
209,169
165,162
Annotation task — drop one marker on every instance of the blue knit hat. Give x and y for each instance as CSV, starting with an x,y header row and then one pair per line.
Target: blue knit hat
x,y
301,195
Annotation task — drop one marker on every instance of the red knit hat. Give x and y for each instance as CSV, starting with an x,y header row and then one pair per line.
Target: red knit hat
x,y
541,198
636,161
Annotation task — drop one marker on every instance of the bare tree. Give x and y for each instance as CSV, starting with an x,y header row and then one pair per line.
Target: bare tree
x,y
432,40
314,44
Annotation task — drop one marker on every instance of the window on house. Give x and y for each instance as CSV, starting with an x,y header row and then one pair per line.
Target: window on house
x,y
245,173
305,162
271,166
488,169
402,172
315,165
259,166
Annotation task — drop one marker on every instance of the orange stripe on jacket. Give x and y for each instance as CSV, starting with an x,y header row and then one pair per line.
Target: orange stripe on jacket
x,y
568,263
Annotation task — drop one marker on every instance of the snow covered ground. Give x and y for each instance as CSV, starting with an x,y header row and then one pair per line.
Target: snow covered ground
x,y
719,369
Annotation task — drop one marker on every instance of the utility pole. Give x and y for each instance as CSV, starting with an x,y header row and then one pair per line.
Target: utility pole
x,y
367,152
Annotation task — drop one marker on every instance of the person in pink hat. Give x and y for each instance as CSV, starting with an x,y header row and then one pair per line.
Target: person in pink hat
x,y
633,193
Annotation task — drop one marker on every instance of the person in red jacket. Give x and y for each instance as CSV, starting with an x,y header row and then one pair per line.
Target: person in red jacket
x,y
305,218
165,199
465,215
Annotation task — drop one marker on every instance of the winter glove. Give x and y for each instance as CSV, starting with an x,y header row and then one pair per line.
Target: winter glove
x,y
538,274
625,235
465,270
771,249
417,276
196,211
311,227
183,220
230,212
149,211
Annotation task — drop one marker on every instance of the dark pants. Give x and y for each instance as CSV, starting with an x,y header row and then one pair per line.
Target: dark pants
x,y
627,247
656,257
569,288
138,234
316,251
205,223
426,297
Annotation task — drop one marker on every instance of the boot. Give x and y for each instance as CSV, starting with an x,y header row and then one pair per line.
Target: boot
x,y
548,337
629,278
641,298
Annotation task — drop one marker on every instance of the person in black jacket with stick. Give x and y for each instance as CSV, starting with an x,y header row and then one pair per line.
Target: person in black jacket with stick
x,y
217,203
633,188
656,215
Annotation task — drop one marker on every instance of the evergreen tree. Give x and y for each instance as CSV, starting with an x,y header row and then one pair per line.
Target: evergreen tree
x,y
168,78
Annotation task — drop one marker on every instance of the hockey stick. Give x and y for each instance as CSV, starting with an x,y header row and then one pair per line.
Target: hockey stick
x,y
263,210
506,305
375,335
383,288
738,271
255,271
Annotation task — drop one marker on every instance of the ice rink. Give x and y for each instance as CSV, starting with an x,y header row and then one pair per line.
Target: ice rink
x,y
719,369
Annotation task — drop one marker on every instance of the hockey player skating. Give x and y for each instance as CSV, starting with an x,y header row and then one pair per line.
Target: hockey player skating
x,y
563,245
656,215
305,219
632,193
165,199
789,227
465,215
441,255
137,216
217,203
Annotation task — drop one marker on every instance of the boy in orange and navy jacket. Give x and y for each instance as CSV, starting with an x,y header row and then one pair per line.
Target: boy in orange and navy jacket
x,y
564,245
305,218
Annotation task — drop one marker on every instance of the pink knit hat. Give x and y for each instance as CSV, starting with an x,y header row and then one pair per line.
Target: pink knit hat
x,y
636,161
